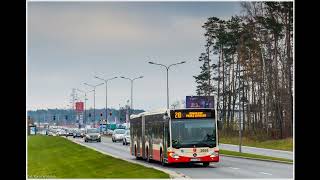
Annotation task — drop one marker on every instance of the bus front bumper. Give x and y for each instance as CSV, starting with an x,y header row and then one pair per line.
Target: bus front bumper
x,y
183,159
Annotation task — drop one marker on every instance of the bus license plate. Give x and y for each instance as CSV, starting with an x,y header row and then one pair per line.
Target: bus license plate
x,y
195,159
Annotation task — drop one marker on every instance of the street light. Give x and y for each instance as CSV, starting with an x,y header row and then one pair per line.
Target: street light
x,y
106,81
131,80
68,109
94,99
167,68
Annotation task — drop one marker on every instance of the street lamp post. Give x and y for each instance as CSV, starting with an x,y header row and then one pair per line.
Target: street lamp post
x,y
106,81
167,68
94,99
119,114
131,80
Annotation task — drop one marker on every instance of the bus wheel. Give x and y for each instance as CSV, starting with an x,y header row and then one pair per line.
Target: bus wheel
x,y
148,157
135,152
162,159
205,164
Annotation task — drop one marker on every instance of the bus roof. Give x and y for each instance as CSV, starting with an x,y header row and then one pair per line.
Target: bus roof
x,y
162,111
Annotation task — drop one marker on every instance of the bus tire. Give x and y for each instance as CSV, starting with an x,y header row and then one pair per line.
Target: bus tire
x,y
148,156
205,164
135,152
162,159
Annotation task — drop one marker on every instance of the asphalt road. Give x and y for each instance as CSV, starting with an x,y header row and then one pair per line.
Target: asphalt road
x,y
228,167
260,151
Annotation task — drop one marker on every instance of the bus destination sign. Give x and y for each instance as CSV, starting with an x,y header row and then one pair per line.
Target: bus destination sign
x,y
188,114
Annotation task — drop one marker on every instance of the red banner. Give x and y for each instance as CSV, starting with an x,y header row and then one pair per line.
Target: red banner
x,y
79,106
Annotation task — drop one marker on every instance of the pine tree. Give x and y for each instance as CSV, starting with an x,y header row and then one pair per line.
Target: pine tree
x,y
254,68
202,80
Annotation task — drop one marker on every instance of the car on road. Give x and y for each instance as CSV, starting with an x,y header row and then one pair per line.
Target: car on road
x,y
43,132
118,134
52,132
109,132
69,132
77,133
126,138
82,132
92,134
61,132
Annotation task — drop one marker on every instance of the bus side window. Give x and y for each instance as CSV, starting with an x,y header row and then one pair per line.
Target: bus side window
x,y
167,133
220,124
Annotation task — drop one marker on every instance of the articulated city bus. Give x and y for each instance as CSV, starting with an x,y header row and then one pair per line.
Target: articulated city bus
x,y
175,136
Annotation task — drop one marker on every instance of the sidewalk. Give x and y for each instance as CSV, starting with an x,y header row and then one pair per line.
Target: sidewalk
x,y
259,151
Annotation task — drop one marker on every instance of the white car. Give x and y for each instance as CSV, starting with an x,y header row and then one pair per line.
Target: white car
x,y
118,135
126,138
62,132
52,133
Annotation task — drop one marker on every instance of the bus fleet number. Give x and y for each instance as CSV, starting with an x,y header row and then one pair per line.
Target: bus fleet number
x,y
204,150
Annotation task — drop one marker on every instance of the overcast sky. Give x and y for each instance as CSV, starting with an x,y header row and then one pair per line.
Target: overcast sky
x,y
70,42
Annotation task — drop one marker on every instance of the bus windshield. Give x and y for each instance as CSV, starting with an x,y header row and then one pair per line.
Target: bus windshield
x,y
193,132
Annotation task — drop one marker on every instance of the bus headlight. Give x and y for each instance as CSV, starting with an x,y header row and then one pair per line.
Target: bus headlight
x,y
214,154
174,155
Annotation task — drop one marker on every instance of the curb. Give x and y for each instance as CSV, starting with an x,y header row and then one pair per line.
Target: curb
x,y
172,174
269,160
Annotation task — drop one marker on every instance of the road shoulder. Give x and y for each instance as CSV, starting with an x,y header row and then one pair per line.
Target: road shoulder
x,y
172,174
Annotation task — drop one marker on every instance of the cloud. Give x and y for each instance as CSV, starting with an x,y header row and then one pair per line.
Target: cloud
x,y
69,42
82,28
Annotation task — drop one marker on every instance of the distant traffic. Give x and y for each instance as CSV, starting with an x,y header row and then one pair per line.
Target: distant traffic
x,y
90,134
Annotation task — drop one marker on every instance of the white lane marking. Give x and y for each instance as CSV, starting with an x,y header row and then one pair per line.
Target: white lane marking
x,y
265,173
234,168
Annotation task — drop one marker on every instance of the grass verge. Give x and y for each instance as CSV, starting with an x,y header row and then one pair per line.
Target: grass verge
x,y
56,157
282,144
255,156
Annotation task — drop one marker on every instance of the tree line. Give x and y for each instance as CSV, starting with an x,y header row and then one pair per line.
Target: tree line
x,y
252,75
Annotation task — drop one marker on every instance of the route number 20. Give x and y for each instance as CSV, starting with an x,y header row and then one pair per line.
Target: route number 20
x,y
177,115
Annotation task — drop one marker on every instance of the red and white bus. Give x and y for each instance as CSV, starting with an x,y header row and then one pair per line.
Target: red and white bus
x,y
175,136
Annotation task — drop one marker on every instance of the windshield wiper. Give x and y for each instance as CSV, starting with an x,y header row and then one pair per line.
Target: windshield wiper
x,y
210,137
176,144
203,143
206,144
211,140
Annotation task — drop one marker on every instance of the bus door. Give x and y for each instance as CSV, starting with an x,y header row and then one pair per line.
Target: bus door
x,y
150,141
165,137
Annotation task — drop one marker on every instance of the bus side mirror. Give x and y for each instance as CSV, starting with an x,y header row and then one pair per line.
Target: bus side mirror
x,y
220,124
166,116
